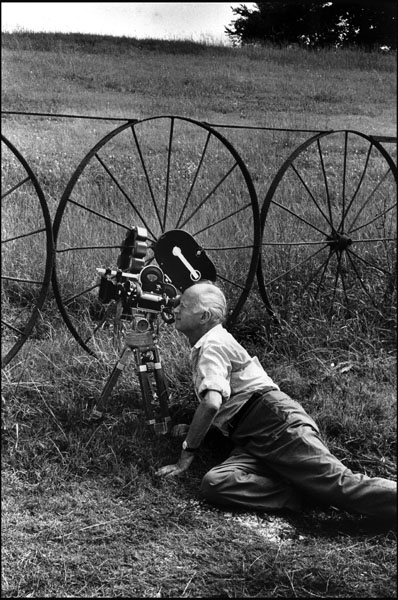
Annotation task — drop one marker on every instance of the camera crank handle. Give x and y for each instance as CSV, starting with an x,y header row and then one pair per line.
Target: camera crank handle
x,y
194,275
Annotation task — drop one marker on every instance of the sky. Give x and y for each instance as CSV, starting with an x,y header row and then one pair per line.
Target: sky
x,y
198,21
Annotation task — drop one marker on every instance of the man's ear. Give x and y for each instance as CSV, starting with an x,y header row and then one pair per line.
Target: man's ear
x,y
206,316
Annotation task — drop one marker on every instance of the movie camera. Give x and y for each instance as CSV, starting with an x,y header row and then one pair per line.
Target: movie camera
x,y
142,292
138,288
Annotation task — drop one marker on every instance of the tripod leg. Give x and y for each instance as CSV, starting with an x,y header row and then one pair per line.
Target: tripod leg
x,y
162,393
151,377
159,420
147,393
110,384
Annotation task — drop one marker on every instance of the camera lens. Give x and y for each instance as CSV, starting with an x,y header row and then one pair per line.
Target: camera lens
x,y
141,324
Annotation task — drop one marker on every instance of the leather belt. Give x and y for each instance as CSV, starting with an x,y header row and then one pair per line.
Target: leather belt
x,y
248,405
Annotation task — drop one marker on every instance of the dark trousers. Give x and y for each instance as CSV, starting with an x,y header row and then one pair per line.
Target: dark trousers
x,y
279,460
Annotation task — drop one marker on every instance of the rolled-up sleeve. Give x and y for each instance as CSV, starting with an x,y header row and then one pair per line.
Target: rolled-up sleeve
x,y
221,364
213,371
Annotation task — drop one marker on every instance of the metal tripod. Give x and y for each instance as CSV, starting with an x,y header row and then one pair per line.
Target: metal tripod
x,y
151,376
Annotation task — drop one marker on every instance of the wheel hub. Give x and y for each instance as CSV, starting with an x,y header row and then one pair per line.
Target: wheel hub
x,y
339,242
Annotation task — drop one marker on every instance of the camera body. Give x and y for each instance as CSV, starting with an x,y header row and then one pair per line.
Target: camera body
x,y
147,292
136,285
139,289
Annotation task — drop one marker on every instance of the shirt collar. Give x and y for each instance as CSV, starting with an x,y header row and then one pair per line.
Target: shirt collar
x,y
213,331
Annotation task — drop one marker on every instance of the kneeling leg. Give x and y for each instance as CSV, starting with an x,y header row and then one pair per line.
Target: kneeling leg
x,y
242,481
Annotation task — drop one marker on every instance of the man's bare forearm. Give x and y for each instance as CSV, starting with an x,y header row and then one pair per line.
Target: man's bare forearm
x,y
203,418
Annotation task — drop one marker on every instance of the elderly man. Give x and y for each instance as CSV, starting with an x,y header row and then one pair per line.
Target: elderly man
x,y
278,458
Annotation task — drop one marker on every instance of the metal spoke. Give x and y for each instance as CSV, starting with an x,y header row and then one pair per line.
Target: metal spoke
x,y
336,279
23,235
221,220
21,280
13,328
72,248
146,176
102,321
366,240
324,273
374,219
166,202
326,184
309,243
322,266
194,179
210,194
340,272
71,298
218,248
310,194
295,266
360,279
123,192
366,262
298,217
238,285
357,189
18,185
368,199
344,178
95,212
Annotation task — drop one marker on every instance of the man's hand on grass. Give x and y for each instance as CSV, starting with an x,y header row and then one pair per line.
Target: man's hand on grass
x,y
182,465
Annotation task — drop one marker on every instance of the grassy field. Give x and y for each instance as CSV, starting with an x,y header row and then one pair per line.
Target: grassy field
x,y
83,514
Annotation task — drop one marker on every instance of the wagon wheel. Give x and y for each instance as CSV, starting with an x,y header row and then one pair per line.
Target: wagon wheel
x,y
160,174
26,251
329,229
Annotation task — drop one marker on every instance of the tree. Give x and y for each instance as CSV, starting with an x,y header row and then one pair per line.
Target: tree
x,y
317,23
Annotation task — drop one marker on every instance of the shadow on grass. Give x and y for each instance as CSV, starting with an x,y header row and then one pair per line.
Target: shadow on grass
x,y
83,494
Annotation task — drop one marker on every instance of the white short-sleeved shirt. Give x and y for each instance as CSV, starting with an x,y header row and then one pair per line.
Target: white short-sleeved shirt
x,y
220,363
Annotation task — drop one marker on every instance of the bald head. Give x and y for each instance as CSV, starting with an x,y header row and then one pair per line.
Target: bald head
x,y
207,296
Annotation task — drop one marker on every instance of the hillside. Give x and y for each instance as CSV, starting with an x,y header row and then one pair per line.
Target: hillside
x,y
140,78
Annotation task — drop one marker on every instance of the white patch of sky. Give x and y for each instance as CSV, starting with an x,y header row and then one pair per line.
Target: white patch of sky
x,y
199,21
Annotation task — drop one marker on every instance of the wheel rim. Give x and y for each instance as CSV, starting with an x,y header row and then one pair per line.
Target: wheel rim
x,y
329,228
27,250
160,173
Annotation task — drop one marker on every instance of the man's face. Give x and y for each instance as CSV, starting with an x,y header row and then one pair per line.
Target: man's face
x,y
188,314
